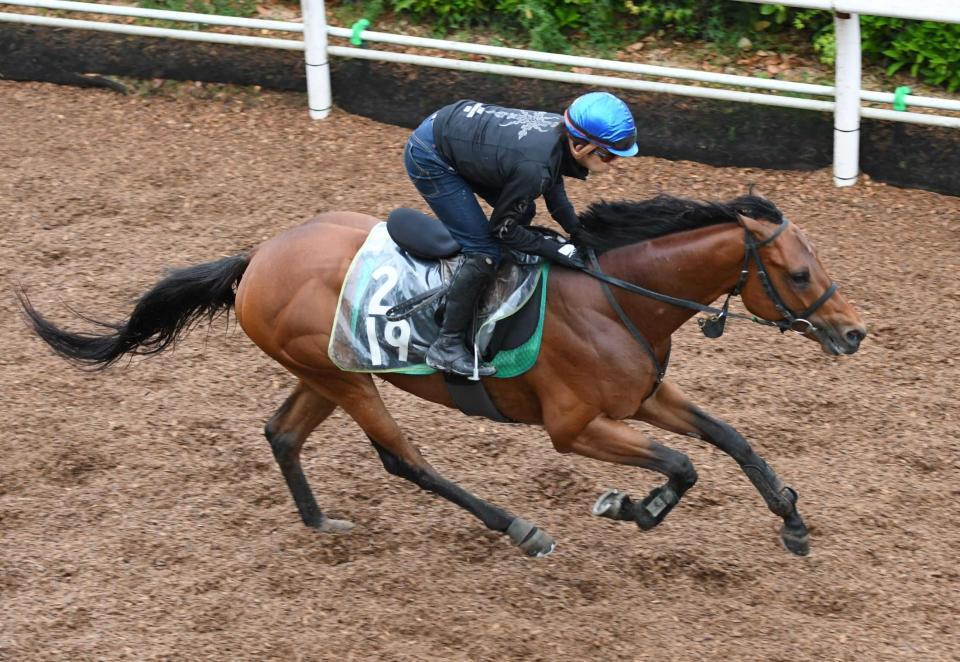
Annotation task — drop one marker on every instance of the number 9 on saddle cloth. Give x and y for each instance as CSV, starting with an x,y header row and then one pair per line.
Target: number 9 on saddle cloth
x,y
412,254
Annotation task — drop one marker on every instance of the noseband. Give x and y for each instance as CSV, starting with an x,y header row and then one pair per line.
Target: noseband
x,y
713,326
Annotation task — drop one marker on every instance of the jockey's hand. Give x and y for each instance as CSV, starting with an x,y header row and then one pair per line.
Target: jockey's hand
x,y
563,254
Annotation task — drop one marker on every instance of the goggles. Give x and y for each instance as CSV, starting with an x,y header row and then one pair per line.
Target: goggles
x,y
603,154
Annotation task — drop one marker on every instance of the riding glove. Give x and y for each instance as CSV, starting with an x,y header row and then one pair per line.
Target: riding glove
x,y
565,254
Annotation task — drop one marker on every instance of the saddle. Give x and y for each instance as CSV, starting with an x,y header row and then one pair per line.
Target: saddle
x,y
421,235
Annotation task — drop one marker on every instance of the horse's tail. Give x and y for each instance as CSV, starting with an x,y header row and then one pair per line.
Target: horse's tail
x,y
171,307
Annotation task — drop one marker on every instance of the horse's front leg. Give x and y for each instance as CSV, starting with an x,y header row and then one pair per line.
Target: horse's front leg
x,y
603,438
670,410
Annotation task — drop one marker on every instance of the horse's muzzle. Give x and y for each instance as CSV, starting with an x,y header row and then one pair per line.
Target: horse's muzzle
x,y
845,340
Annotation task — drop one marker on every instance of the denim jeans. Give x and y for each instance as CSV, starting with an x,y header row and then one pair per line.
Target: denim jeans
x,y
450,197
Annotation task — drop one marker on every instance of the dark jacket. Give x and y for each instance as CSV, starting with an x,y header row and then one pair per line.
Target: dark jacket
x,y
510,158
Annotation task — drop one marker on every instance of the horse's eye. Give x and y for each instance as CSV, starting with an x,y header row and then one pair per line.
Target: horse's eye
x,y
800,277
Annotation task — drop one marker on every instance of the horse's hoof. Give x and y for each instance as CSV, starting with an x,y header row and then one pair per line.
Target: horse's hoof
x,y
796,540
609,504
329,525
529,538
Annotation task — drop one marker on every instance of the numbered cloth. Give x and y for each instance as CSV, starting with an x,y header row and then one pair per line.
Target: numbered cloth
x,y
383,275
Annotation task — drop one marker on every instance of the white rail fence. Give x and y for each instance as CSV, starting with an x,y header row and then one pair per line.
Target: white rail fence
x,y
843,99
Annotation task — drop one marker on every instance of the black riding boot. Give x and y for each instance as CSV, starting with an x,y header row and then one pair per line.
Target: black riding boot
x,y
449,352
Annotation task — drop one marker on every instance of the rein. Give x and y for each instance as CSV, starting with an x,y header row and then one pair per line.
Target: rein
x,y
713,326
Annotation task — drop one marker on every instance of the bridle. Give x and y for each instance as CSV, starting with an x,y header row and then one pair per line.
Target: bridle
x,y
713,326
798,323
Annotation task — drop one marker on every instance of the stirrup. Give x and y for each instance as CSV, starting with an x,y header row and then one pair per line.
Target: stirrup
x,y
477,364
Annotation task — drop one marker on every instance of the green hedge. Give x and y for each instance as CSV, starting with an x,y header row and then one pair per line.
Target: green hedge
x,y
928,51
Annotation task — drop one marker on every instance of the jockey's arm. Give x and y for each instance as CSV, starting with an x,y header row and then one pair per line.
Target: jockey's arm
x,y
510,216
508,222
509,231
561,209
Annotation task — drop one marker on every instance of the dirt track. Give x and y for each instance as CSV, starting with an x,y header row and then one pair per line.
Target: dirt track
x,y
142,516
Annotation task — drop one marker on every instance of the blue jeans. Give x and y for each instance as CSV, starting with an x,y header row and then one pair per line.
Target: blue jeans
x,y
450,197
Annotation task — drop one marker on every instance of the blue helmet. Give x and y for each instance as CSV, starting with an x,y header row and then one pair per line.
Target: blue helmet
x,y
604,120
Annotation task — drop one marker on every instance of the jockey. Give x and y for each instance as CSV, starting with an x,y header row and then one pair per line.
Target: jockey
x,y
509,158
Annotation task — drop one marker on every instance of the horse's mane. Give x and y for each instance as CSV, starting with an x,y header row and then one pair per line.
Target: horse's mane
x,y
608,225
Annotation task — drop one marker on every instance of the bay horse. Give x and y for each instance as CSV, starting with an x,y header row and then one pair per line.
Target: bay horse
x,y
600,365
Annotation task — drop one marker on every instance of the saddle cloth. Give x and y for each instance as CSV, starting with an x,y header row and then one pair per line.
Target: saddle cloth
x,y
383,275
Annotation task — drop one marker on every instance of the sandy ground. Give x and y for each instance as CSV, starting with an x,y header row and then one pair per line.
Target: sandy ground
x,y
142,516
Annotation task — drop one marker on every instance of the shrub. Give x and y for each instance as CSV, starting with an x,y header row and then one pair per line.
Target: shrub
x,y
929,51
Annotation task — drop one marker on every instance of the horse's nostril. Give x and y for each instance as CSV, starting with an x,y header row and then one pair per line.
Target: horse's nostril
x,y
854,336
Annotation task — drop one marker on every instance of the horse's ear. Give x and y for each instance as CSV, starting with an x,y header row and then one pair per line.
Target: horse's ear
x,y
759,229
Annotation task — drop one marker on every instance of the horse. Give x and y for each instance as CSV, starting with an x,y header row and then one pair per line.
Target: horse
x,y
601,363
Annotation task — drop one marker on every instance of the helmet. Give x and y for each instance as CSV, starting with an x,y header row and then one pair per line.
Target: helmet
x,y
604,120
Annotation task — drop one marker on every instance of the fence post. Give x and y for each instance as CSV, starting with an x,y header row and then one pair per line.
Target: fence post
x,y
846,119
318,67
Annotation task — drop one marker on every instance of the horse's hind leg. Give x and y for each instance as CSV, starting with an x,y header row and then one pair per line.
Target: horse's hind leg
x,y
286,431
669,409
358,396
